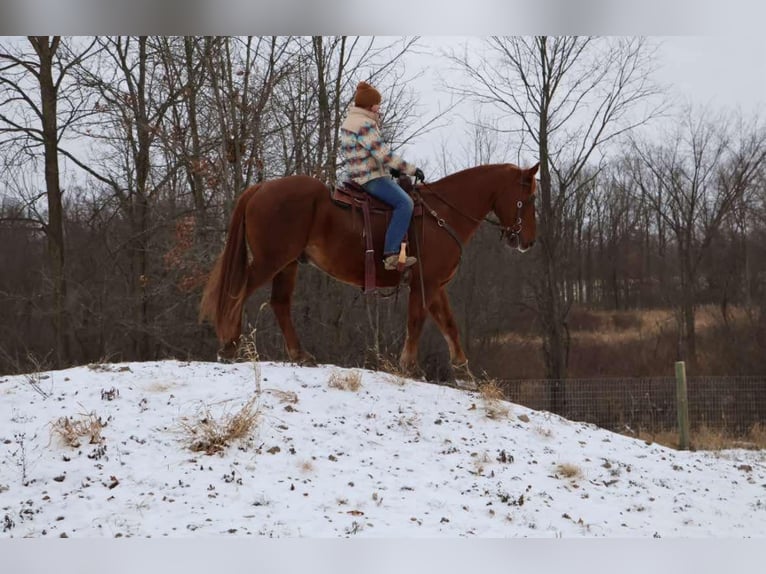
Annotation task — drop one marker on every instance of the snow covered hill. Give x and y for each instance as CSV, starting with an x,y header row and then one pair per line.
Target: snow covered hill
x,y
393,457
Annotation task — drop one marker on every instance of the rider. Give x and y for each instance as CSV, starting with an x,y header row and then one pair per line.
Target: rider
x,y
369,160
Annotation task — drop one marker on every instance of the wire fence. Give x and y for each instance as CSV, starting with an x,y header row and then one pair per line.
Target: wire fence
x,y
734,406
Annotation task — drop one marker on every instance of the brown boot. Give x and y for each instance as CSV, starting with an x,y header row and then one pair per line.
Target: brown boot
x,y
391,261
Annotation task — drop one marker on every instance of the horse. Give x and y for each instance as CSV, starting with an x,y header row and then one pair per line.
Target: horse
x,y
293,219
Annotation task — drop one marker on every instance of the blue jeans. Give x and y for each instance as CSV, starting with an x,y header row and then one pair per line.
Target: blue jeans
x,y
387,190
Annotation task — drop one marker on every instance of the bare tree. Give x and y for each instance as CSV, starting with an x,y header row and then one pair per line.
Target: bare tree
x,y
565,97
614,214
31,119
693,183
244,73
135,96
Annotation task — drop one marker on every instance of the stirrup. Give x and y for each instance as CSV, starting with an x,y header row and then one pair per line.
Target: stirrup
x,y
392,263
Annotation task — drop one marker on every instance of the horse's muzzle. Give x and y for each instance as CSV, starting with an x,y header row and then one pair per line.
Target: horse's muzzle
x,y
515,243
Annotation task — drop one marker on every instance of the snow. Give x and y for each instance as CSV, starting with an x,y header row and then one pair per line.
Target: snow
x,y
395,458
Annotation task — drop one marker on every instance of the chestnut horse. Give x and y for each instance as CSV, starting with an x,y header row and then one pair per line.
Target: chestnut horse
x,y
293,218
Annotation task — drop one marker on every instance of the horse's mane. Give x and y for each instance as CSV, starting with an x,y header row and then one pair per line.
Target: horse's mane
x,y
473,172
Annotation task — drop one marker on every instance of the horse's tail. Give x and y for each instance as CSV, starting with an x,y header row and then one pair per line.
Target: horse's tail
x,y
225,291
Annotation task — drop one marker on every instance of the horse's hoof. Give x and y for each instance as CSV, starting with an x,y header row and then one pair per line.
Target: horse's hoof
x,y
411,371
467,385
305,359
464,378
462,370
227,354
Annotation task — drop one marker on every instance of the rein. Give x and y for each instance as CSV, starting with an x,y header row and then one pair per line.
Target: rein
x,y
512,232
440,220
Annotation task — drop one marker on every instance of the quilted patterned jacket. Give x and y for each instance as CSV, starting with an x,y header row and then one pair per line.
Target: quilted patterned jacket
x,y
366,155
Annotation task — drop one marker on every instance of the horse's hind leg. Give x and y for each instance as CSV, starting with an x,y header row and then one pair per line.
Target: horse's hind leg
x,y
282,287
442,314
257,276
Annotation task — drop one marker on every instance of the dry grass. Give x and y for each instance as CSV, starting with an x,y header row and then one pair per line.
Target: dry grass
x,y
345,380
609,343
653,322
289,397
480,462
408,422
567,470
495,405
613,327
758,436
397,380
71,431
248,350
393,371
544,432
208,434
706,438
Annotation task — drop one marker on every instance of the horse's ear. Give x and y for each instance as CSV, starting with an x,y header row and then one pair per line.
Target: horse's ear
x,y
533,170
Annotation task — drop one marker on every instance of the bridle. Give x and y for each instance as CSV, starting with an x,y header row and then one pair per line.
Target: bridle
x,y
511,233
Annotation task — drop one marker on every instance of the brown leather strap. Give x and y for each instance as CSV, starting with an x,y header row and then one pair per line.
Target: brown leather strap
x,y
369,253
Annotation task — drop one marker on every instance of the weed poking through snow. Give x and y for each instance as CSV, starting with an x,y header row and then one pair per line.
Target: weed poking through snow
x,y
208,434
72,430
567,470
346,381
495,405
249,351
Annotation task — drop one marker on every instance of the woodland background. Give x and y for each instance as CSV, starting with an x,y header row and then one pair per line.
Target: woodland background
x,y
121,159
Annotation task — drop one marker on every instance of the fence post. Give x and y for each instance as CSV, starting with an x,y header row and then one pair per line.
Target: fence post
x,y
682,406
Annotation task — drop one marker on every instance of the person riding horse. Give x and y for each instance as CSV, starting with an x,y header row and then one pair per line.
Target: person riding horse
x,y
369,159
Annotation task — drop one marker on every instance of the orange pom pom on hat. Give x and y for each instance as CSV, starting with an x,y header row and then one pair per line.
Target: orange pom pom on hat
x,y
366,96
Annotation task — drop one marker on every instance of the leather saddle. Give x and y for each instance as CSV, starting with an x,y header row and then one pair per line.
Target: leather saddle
x,y
350,194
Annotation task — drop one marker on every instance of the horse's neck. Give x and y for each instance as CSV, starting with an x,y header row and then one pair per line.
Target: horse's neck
x,y
470,191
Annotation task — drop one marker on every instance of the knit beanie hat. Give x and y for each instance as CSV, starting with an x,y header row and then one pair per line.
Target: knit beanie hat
x,y
366,96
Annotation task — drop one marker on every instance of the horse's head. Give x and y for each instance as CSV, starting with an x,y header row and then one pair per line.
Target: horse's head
x,y
515,208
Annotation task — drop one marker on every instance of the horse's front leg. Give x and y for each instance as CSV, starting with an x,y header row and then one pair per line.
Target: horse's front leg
x,y
442,314
282,287
416,316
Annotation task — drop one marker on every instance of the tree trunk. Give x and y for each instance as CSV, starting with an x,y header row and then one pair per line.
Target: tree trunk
x,y
55,228
195,173
141,212
550,300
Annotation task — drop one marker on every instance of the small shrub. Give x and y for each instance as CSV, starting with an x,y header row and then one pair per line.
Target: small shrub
x,y
345,380
72,430
207,434
493,396
568,470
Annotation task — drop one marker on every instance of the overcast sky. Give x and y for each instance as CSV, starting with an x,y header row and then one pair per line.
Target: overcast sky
x,y
715,71
720,70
